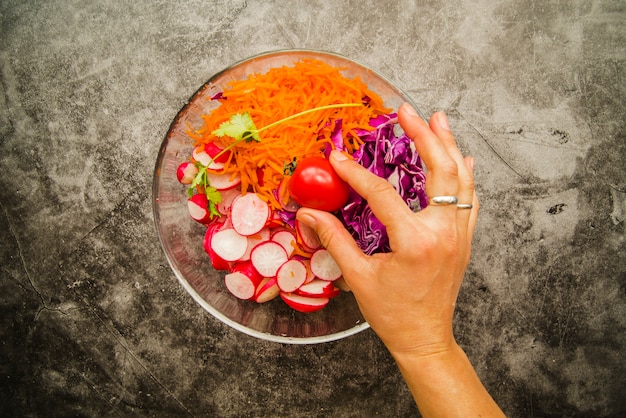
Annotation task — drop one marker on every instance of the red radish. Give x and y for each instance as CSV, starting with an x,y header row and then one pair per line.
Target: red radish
x,y
214,150
217,262
304,303
186,172
267,257
228,196
204,154
307,238
318,288
254,240
275,221
324,266
228,244
225,181
309,274
249,214
267,290
291,275
198,206
285,238
243,280
285,200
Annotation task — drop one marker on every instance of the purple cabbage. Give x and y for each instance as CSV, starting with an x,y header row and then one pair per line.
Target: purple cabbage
x,y
391,157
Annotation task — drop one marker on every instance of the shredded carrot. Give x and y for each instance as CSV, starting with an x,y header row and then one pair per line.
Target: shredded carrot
x,y
280,93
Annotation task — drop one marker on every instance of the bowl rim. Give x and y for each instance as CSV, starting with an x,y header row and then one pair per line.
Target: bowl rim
x,y
361,326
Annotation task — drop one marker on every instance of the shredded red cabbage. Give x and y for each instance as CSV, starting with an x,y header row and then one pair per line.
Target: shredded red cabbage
x,y
391,157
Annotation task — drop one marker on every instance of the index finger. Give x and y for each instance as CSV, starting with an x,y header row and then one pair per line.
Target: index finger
x,y
385,202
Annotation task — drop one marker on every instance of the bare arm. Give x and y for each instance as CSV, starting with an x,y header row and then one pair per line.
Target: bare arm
x,y
408,294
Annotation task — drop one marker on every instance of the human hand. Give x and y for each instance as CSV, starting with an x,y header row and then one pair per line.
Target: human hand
x,y
408,295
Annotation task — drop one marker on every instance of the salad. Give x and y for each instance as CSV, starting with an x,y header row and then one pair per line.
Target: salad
x,y
262,154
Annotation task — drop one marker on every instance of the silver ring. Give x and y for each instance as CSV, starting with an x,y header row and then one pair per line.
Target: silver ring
x,y
444,200
464,206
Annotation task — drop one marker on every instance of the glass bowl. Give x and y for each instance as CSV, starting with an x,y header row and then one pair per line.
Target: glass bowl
x,y
181,237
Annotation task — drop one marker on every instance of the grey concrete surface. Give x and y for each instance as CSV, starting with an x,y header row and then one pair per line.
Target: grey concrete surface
x,y
93,323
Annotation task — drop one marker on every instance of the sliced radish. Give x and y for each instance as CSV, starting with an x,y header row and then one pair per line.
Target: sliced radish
x,y
275,221
267,257
214,150
266,290
243,280
254,240
217,262
284,198
307,238
204,154
324,266
309,274
304,303
318,288
223,181
198,206
291,275
228,196
228,244
285,238
249,214
186,172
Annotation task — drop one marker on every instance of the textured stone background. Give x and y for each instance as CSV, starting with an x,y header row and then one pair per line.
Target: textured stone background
x,y
93,322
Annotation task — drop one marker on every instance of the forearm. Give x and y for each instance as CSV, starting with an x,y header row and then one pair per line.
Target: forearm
x,y
446,385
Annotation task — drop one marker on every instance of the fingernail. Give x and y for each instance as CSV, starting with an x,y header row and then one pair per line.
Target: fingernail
x,y
410,109
306,218
338,156
442,120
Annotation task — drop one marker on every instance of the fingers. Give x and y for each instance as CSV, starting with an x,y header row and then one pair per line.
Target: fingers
x,y
382,198
334,237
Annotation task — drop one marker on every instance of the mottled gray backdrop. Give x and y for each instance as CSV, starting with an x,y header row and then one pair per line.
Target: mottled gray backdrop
x,y
93,322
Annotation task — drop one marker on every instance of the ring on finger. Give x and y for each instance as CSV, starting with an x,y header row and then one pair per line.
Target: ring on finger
x,y
464,206
444,200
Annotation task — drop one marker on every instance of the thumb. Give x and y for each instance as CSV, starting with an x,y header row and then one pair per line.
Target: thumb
x,y
334,237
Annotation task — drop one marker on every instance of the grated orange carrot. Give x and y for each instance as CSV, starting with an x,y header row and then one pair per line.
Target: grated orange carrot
x,y
280,93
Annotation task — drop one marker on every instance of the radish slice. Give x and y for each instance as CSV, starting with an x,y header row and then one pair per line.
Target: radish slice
x,y
217,262
204,154
318,288
324,266
267,257
285,200
228,196
229,245
243,280
198,207
249,214
186,172
307,237
285,238
201,155
240,285
223,181
303,303
266,290
254,240
291,275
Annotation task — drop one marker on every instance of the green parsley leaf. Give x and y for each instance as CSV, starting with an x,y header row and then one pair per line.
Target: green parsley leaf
x,y
239,127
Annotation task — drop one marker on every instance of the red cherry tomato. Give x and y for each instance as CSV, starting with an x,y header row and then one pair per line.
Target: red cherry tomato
x,y
315,184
